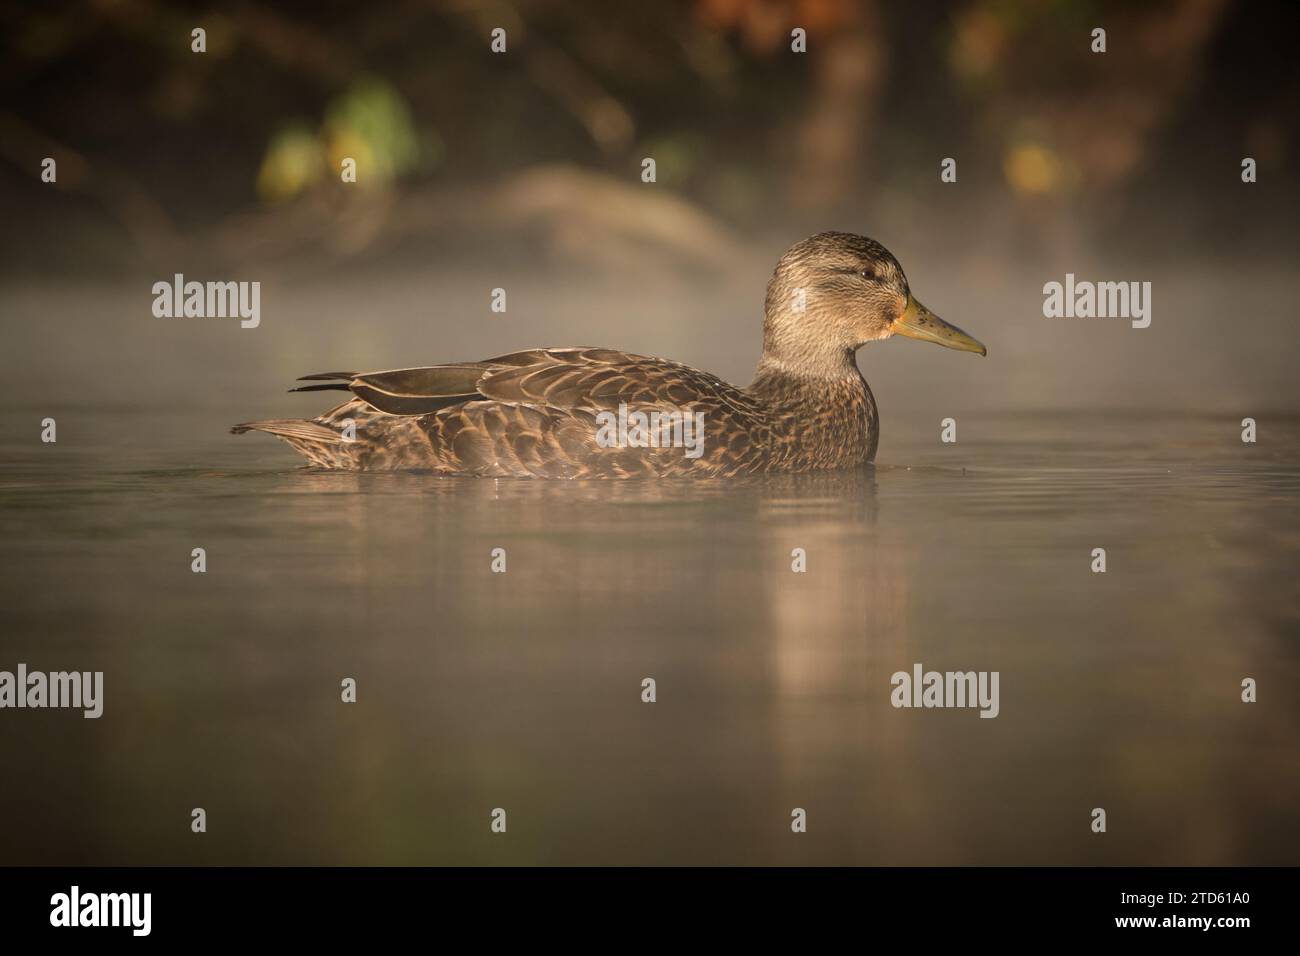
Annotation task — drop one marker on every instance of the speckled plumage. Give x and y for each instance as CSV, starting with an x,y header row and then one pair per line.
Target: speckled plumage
x,y
537,413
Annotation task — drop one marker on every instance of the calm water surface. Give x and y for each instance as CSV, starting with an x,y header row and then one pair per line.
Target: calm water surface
x,y
522,690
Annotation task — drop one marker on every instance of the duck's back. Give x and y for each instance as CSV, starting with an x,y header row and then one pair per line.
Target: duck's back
x,y
554,413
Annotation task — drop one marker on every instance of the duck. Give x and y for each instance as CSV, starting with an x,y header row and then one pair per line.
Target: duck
x,y
551,412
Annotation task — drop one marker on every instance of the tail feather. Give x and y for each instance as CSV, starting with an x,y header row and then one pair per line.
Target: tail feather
x,y
323,376
332,387
298,428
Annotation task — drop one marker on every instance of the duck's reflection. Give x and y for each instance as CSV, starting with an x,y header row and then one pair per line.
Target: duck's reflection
x,y
846,495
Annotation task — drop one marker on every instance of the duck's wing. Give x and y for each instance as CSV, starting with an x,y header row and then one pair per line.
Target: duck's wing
x,y
564,378
406,391
539,413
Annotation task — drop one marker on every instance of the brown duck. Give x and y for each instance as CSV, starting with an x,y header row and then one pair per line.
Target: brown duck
x,y
602,413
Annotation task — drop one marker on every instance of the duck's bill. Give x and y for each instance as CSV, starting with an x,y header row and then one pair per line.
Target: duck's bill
x,y
918,322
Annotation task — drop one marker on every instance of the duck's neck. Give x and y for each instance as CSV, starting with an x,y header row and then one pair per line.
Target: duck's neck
x,y
779,370
822,416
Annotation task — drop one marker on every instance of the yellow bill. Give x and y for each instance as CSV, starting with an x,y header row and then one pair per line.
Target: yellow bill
x,y
918,322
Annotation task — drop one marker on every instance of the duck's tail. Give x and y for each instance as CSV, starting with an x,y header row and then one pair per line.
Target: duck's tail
x,y
298,428
319,444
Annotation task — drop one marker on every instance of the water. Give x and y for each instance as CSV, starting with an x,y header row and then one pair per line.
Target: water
x,y
522,690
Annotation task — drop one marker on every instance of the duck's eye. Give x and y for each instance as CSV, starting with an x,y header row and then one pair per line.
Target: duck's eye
x,y
868,273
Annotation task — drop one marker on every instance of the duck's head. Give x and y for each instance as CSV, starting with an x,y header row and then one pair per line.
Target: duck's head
x,y
833,292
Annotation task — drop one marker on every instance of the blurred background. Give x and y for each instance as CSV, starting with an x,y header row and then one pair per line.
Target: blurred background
x,y
522,171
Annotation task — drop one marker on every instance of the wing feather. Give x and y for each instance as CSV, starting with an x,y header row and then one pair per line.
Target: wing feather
x,y
559,378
